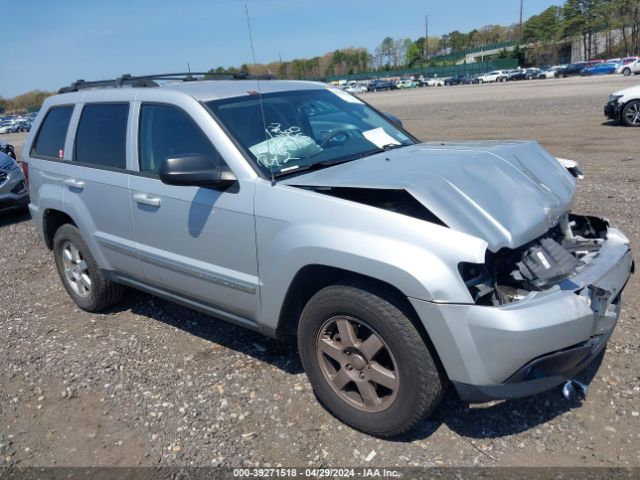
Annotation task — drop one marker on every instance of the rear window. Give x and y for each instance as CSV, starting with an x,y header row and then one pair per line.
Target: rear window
x,y
102,135
53,132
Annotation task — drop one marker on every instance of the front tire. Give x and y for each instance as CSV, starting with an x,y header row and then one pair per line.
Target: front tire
x,y
626,72
82,278
366,361
631,114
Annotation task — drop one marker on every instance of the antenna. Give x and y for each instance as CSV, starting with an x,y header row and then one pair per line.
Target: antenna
x,y
264,118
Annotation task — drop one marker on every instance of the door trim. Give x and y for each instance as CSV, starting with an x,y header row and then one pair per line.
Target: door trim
x,y
197,272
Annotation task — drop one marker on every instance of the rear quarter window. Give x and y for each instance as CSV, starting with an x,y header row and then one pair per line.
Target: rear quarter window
x,y
53,132
101,139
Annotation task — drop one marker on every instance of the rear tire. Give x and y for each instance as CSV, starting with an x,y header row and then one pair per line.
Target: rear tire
x,y
343,371
82,278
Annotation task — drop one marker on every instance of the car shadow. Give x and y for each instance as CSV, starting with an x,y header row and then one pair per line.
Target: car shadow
x,y
281,354
504,418
612,123
478,421
13,216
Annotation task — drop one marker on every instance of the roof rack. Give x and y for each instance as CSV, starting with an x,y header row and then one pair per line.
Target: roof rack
x,y
151,80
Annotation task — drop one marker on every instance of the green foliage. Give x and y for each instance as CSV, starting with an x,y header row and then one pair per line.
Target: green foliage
x,y
27,101
545,27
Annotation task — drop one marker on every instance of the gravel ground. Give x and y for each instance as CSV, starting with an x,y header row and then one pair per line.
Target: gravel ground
x,y
151,383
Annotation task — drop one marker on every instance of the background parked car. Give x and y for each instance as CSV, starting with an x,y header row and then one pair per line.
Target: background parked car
x,y
551,71
624,106
491,76
504,76
432,82
406,84
600,69
13,189
381,85
571,70
8,149
7,126
631,67
517,75
532,73
459,80
23,126
357,88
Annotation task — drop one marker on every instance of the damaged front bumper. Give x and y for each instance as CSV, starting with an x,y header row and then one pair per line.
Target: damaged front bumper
x,y
528,346
612,110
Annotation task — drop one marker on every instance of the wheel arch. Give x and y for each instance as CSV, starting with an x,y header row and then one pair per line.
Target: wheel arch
x,y
310,279
52,220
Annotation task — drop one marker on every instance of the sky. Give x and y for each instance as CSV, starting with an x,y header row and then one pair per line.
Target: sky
x,y
49,44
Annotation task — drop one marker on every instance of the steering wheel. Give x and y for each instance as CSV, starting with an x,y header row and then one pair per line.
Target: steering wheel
x,y
334,134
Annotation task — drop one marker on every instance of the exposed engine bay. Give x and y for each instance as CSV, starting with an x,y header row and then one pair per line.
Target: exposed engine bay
x,y
510,274
393,200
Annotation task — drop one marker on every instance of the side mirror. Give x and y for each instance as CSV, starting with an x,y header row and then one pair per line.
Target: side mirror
x,y
194,171
393,118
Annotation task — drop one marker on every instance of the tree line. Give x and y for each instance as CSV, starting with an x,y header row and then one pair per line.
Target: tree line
x,y
606,28
390,54
24,102
541,39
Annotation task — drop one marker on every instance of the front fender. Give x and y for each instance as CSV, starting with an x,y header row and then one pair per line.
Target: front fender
x,y
420,259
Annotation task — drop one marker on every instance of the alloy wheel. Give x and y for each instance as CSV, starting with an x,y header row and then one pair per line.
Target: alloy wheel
x,y
357,364
76,270
632,113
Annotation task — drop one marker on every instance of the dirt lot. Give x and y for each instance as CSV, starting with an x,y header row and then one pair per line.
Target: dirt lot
x,y
151,383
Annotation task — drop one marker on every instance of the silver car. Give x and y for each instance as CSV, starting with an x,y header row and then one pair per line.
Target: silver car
x,y
295,208
13,190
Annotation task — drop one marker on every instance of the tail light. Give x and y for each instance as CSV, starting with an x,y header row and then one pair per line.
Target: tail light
x,y
25,172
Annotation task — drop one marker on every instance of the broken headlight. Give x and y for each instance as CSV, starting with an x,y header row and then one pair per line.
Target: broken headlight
x,y
477,279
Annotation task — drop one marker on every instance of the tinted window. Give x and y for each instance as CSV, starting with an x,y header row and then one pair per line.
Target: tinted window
x,y
102,135
167,132
52,134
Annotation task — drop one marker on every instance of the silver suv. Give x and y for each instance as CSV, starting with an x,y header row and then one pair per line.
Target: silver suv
x,y
296,208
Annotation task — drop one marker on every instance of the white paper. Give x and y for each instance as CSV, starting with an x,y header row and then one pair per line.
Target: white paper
x,y
379,137
347,97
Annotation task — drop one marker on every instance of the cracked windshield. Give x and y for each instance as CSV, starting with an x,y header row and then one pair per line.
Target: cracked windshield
x,y
298,130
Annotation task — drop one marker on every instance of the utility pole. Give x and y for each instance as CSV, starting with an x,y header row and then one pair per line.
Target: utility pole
x,y
520,28
426,38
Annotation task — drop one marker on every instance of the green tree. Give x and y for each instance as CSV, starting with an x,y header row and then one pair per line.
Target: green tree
x,y
386,49
414,52
583,18
544,27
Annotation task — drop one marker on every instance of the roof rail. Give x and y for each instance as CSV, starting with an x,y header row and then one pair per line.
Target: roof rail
x,y
150,80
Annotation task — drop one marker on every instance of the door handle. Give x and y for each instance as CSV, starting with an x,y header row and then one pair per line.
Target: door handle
x,y
147,199
73,183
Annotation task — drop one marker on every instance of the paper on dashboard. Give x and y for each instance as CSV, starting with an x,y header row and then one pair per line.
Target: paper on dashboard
x,y
379,137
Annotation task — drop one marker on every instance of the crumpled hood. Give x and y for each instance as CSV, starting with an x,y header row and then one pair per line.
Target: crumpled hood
x,y
507,193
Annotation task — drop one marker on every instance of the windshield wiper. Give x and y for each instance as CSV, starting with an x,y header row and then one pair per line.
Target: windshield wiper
x,y
387,147
330,163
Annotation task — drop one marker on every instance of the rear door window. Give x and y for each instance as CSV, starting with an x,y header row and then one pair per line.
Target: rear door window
x,y
53,132
101,139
